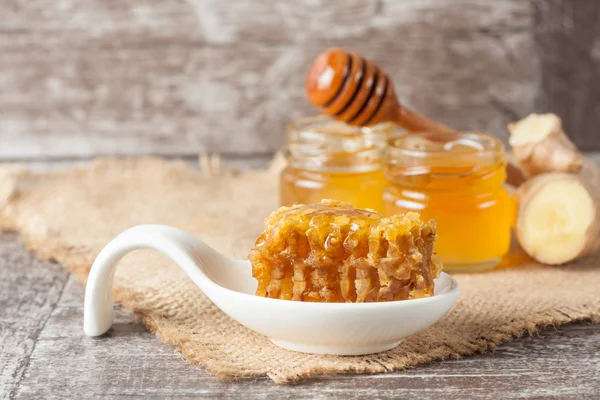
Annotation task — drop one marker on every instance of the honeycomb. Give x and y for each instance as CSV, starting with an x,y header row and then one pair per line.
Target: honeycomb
x,y
332,252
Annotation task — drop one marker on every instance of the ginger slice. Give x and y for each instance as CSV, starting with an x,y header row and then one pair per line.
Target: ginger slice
x,y
332,252
558,219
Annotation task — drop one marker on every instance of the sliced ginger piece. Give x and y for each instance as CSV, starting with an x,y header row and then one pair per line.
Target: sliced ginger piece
x,y
558,219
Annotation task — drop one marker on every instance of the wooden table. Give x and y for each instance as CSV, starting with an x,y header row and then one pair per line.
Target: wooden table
x,y
44,354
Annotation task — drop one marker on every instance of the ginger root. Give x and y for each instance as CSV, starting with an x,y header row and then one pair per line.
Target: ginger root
x,y
559,207
540,145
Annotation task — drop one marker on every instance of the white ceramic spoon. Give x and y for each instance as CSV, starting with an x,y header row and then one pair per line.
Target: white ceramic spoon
x,y
323,328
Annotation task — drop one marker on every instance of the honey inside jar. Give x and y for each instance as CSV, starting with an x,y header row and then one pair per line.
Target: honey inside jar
x,y
459,182
331,160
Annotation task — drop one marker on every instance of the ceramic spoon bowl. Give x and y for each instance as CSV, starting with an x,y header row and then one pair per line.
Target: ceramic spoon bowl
x,y
322,328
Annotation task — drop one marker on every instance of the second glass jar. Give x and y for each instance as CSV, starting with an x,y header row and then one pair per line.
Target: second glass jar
x,y
459,182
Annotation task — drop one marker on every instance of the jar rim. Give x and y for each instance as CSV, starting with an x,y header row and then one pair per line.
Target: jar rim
x,y
470,156
472,144
305,123
320,143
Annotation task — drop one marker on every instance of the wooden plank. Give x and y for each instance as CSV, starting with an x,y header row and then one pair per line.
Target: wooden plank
x,y
179,78
561,362
223,162
97,23
131,362
29,292
567,41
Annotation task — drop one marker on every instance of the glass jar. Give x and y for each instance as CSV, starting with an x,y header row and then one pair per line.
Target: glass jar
x,y
459,182
331,160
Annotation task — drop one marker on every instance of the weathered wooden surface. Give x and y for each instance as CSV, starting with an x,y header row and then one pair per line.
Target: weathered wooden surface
x,y
44,354
29,293
567,38
98,77
182,77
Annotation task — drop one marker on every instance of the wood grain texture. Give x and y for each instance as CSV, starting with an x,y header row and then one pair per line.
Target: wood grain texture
x,y
29,293
567,38
181,77
44,354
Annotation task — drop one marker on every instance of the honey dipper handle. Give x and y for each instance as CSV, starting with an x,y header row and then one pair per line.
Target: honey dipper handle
x,y
414,122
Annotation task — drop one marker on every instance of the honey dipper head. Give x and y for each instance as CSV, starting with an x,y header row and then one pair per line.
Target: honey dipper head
x,y
326,75
350,88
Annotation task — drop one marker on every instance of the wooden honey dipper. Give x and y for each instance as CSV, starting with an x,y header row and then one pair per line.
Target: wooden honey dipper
x,y
354,90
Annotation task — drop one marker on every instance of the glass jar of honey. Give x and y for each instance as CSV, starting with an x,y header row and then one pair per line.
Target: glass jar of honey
x,y
457,180
331,160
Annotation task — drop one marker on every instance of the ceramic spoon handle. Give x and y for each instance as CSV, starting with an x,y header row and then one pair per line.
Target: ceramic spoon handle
x,y
184,249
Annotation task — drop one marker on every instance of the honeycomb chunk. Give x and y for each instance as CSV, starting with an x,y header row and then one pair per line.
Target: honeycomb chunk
x,y
332,252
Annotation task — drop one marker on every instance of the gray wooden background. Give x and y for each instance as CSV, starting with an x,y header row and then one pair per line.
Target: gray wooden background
x,y
180,77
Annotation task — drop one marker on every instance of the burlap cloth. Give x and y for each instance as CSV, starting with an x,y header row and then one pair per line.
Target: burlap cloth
x,y
69,216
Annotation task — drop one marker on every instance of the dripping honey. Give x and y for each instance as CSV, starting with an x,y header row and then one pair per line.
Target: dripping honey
x,y
460,183
331,160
